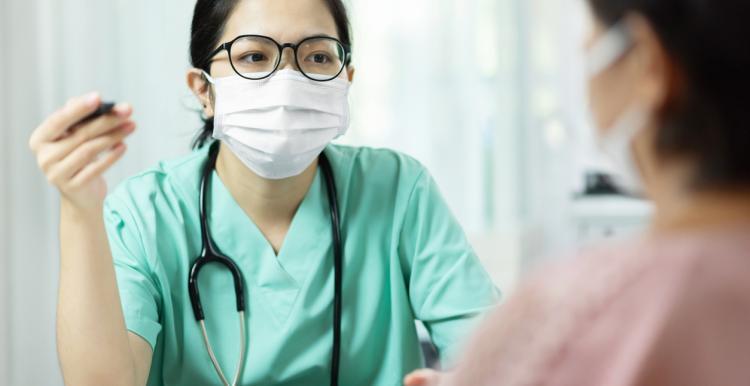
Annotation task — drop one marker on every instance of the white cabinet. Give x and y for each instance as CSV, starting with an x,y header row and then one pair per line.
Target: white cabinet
x,y
601,218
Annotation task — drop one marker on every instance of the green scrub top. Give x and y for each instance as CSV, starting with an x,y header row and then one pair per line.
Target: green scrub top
x,y
405,259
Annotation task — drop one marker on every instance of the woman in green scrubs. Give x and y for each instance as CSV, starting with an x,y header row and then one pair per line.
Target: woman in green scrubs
x,y
131,322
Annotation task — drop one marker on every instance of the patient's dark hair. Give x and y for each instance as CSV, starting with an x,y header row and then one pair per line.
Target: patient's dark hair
x,y
210,18
707,119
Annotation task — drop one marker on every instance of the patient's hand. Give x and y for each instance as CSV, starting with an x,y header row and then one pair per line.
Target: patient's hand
x,y
424,377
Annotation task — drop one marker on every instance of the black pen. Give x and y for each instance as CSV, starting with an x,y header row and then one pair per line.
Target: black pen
x,y
104,108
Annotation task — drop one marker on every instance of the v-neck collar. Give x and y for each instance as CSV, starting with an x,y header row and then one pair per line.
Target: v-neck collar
x,y
279,278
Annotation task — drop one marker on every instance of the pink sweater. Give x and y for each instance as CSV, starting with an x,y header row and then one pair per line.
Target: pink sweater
x,y
665,311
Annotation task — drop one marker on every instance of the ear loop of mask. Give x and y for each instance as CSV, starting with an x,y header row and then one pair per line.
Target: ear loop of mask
x,y
608,49
208,77
210,82
617,142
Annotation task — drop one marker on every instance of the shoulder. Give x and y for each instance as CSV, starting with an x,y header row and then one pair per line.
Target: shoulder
x,y
688,287
637,294
375,165
168,182
543,316
368,159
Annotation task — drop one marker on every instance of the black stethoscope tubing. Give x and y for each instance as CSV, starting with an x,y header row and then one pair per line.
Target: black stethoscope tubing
x,y
210,254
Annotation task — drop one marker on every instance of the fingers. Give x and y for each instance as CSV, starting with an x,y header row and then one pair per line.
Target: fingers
x,y
424,377
63,171
56,151
96,127
98,167
59,122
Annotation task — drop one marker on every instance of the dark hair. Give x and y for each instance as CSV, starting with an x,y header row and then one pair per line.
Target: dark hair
x,y
210,18
706,118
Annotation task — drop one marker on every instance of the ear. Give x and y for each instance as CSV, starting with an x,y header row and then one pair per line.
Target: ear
x,y
654,69
350,70
198,83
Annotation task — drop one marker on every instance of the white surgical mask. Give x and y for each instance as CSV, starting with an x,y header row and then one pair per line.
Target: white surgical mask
x,y
278,126
616,142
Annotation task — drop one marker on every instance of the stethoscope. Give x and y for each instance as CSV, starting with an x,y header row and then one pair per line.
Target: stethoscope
x,y
211,254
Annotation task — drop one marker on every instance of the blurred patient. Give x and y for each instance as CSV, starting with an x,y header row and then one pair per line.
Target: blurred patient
x,y
669,84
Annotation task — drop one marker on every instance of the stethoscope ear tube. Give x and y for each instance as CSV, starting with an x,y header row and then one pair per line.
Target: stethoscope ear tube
x,y
338,268
209,254
212,355
194,292
195,296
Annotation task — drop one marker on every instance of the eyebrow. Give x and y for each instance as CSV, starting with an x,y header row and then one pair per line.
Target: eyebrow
x,y
320,36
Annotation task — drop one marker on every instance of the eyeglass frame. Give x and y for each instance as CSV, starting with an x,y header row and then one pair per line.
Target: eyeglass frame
x,y
228,47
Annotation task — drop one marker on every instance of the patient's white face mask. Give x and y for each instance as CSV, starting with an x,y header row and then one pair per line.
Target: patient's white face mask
x,y
278,126
617,141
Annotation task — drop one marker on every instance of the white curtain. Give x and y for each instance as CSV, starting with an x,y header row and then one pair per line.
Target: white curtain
x,y
432,82
29,262
437,79
557,140
488,94
4,208
480,91
134,51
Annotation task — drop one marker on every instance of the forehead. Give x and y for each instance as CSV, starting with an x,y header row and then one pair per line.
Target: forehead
x,y
286,21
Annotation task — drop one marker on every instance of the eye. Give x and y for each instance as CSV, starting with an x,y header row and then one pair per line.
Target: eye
x,y
319,58
253,57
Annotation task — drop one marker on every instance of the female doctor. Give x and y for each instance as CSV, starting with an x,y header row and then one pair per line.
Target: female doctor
x,y
268,255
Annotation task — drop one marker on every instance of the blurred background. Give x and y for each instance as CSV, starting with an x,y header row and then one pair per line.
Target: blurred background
x,y
488,94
